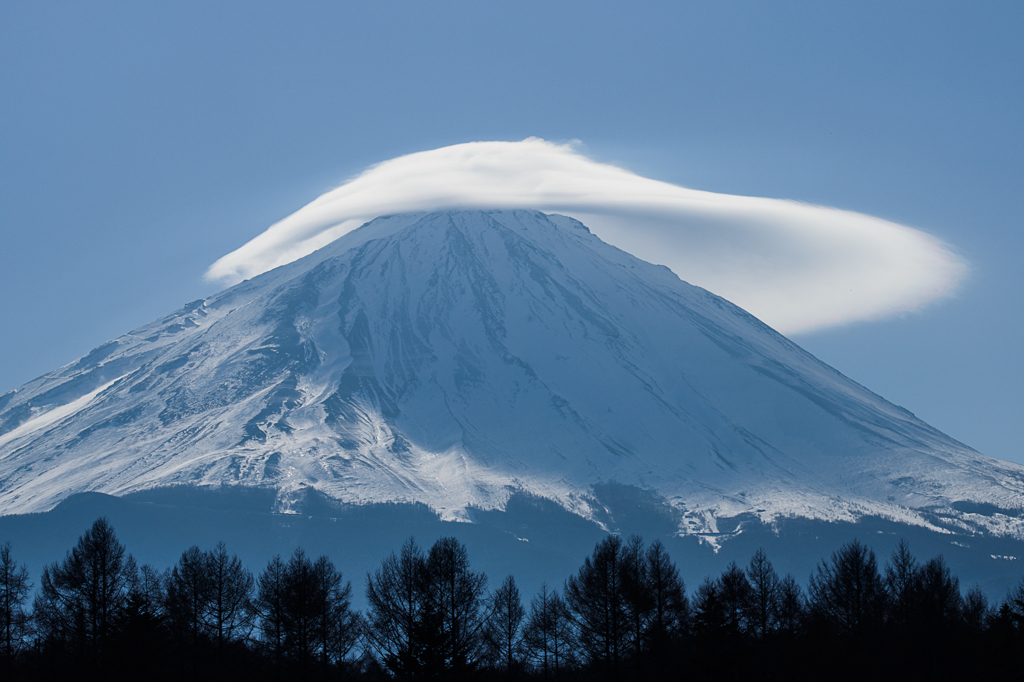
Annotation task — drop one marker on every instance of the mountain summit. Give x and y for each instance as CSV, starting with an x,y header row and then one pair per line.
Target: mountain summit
x,y
457,358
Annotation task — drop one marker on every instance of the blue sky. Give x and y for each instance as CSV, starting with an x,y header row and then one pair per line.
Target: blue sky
x,y
139,144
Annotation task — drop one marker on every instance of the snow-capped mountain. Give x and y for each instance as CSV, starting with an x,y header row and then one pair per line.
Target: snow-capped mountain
x,y
460,357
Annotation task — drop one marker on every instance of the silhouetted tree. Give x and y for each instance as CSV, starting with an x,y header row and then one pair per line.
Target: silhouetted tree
x,y
669,607
637,599
548,637
1012,608
398,622
188,597
338,626
455,596
791,607
148,593
209,604
82,599
976,610
596,604
300,611
763,600
709,616
939,618
426,617
735,593
270,605
14,619
846,592
712,638
976,615
143,643
940,590
231,593
505,625
316,621
902,586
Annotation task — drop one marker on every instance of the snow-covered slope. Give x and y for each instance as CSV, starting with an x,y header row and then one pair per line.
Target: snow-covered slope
x,y
456,358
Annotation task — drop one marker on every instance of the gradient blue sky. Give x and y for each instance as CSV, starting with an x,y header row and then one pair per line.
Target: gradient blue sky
x,y
138,144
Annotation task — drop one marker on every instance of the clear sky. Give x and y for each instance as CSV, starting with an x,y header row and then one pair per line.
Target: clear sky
x,y
139,144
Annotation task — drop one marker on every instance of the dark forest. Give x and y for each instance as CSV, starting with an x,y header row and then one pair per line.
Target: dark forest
x,y
624,615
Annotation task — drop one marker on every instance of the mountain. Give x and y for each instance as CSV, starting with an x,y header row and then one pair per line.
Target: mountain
x,y
463,359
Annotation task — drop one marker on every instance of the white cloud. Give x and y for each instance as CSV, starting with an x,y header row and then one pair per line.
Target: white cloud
x,y
796,266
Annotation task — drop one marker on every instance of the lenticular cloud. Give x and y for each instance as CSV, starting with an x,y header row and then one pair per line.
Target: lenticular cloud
x,y
796,266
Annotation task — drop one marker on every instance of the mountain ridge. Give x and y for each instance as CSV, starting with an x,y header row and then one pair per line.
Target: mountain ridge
x,y
456,358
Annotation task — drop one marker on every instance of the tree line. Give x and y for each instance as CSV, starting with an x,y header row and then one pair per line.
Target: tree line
x,y
624,615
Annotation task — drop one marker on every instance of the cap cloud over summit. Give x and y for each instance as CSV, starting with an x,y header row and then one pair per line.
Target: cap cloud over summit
x,y
796,266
